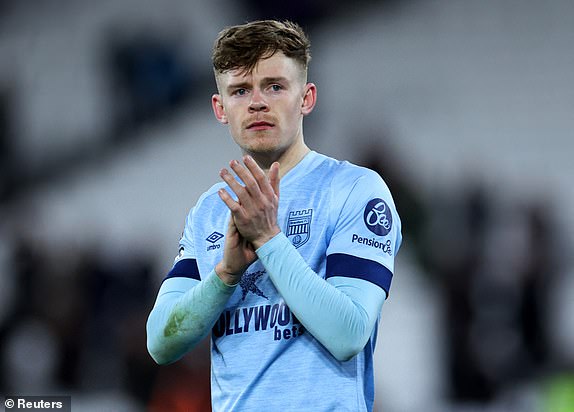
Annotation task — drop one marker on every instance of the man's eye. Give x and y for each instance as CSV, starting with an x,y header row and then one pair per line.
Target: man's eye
x,y
240,92
276,87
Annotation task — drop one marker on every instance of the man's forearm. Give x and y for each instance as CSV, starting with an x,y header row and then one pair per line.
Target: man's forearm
x,y
341,317
180,320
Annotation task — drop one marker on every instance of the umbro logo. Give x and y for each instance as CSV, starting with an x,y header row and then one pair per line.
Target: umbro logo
x,y
214,237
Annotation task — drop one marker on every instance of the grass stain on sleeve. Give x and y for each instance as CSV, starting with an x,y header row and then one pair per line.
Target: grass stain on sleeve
x,y
182,321
174,322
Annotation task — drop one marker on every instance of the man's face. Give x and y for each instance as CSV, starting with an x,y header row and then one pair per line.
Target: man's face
x,y
265,108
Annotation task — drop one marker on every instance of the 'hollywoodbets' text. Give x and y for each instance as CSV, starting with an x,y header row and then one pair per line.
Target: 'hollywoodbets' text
x,y
259,318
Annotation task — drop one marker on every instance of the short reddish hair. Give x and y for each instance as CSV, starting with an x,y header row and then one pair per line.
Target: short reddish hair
x,y
242,46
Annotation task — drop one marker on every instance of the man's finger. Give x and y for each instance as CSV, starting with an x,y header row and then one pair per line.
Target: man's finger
x,y
233,184
274,177
228,200
251,185
258,174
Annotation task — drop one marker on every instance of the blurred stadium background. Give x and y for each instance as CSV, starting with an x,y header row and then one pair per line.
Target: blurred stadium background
x,y
107,139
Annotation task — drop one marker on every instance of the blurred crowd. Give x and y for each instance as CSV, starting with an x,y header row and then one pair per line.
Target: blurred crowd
x,y
500,266
76,325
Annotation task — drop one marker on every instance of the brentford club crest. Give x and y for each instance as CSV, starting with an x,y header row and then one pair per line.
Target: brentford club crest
x,y
299,226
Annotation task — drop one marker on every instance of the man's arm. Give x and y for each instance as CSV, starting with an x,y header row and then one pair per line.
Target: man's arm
x,y
340,312
186,309
184,313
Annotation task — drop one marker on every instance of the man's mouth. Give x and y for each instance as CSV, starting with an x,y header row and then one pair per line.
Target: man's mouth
x,y
260,126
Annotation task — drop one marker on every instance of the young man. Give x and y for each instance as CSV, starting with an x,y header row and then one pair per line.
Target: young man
x,y
288,262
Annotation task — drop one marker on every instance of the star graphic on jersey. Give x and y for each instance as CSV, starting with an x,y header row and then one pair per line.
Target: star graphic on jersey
x,y
247,284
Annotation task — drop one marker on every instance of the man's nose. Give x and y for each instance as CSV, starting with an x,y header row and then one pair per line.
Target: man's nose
x,y
257,102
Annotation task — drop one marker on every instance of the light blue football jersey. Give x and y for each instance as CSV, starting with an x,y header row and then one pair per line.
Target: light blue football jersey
x,y
343,222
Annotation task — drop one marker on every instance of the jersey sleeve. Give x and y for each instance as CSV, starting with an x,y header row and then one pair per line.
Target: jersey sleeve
x,y
367,230
185,263
340,313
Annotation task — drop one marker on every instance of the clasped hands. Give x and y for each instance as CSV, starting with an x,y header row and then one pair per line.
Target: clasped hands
x,y
253,215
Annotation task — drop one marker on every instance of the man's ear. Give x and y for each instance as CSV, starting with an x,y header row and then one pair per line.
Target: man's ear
x,y
218,109
309,98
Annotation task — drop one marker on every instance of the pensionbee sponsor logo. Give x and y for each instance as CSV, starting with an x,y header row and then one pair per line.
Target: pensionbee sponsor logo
x,y
373,242
378,217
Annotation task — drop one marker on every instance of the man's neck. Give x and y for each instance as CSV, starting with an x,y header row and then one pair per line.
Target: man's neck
x,y
287,159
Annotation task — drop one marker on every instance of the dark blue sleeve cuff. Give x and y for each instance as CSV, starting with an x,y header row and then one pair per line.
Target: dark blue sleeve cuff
x,y
340,264
185,268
